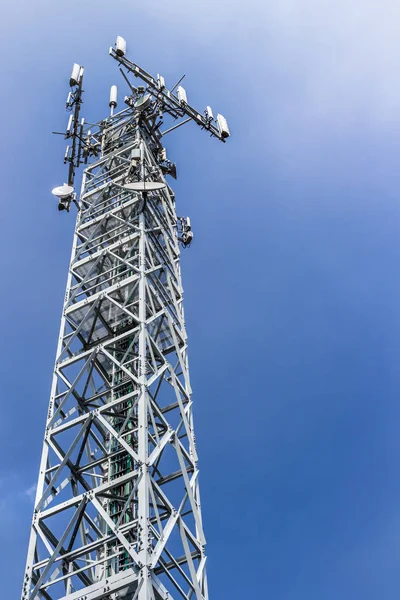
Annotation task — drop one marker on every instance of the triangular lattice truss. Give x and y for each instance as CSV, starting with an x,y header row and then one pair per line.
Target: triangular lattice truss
x,y
117,513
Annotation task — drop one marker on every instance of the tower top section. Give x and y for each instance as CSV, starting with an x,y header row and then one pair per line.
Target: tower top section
x,y
165,100
149,106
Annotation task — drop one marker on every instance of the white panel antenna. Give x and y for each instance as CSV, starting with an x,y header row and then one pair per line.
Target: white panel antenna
x,y
223,126
69,126
209,113
181,93
75,75
120,46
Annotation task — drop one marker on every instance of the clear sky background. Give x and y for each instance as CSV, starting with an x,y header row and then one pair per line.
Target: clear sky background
x,y
291,286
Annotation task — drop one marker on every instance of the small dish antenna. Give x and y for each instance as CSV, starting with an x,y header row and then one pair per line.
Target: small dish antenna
x,y
144,186
63,191
143,102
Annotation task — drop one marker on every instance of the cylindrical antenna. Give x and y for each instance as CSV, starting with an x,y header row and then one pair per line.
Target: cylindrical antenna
x,y
113,99
160,82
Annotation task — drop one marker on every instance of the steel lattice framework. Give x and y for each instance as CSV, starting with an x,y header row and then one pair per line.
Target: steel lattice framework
x,y
117,511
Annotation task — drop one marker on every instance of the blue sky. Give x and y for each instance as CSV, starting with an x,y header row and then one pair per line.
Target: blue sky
x,y
291,287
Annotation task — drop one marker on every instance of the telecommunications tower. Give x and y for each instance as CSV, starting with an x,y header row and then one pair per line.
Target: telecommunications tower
x,y
117,511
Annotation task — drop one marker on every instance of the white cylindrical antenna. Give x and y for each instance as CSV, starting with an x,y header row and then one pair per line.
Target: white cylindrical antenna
x,y
163,154
75,75
69,126
160,82
120,46
209,113
113,98
181,93
223,126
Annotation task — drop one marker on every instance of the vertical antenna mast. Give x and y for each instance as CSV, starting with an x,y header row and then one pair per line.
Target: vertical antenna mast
x,y
74,132
74,102
117,511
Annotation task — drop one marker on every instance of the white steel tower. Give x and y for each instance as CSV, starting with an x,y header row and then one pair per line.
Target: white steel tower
x,y
117,510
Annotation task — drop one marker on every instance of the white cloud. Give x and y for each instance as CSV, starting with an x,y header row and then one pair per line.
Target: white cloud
x,y
31,491
14,497
338,57
347,53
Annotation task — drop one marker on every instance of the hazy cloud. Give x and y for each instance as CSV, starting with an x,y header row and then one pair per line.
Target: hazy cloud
x,y
31,491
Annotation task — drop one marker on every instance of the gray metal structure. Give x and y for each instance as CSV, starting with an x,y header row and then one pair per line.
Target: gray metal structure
x,y
117,510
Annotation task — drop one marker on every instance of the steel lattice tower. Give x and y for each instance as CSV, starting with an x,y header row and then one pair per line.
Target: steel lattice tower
x,y
117,511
